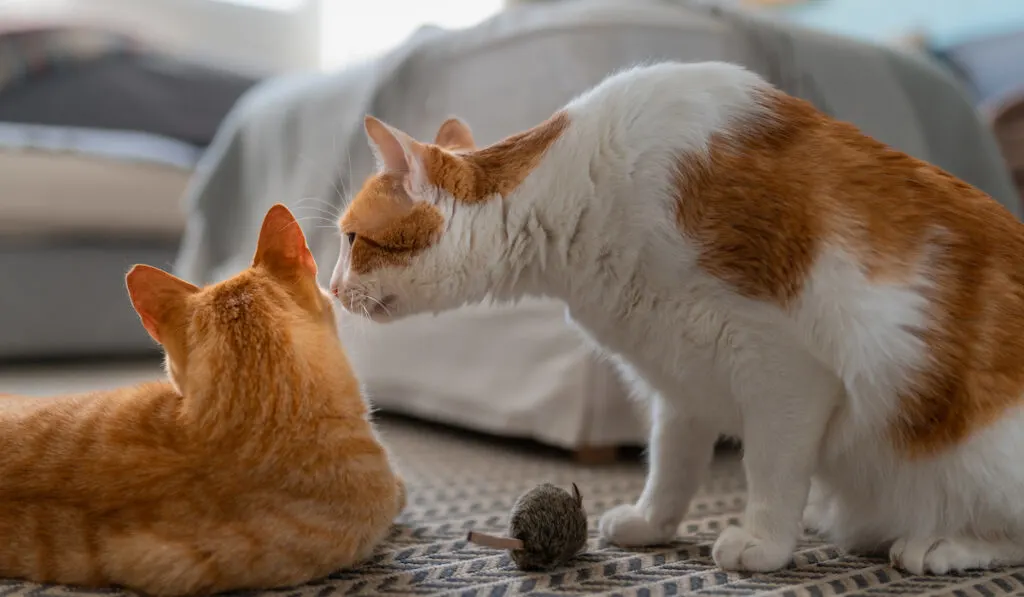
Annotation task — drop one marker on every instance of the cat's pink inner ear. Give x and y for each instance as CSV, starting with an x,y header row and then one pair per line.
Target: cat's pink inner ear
x,y
282,243
156,296
398,153
390,145
455,134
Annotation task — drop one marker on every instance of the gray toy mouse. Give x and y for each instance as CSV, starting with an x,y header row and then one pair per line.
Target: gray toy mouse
x,y
547,527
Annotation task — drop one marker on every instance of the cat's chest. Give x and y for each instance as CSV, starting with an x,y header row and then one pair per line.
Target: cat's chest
x,y
665,363
663,340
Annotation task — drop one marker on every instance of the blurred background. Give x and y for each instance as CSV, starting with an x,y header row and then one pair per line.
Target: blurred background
x,y
159,131
261,37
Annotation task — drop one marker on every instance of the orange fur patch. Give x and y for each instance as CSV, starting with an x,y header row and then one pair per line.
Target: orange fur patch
x,y
757,237
767,199
497,169
390,228
233,483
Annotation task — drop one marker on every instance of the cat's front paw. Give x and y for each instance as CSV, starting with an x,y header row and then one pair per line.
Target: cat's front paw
x,y
626,526
738,549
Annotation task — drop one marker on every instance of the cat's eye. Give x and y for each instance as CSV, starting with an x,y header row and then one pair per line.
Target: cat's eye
x,y
351,236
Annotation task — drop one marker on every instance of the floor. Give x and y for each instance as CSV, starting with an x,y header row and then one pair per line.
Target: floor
x,y
461,481
72,377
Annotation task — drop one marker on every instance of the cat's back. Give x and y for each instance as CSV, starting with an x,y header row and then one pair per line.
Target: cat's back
x,y
886,264
669,106
906,279
728,140
15,405
837,194
84,439
63,413
771,194
74,468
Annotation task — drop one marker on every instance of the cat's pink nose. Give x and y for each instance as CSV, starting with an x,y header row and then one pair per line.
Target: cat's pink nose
x,y
335,291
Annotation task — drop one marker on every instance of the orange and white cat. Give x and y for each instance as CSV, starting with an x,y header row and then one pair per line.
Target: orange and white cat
x,y
757,269
255,467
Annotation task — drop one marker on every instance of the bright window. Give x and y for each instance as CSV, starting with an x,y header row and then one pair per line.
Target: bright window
x,y
355,29
285,5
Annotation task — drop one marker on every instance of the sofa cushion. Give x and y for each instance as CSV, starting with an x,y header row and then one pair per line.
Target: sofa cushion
x,y
77,182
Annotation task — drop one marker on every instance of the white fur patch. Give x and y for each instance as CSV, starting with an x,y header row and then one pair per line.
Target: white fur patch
x,y
812,389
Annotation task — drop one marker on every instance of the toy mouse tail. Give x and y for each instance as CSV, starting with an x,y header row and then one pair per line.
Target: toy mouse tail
x,y
493,542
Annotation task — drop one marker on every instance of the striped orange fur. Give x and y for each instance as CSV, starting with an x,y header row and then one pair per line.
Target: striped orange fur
x,y
255,466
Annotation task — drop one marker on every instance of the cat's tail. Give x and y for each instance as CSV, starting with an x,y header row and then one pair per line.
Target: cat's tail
x,y
493,541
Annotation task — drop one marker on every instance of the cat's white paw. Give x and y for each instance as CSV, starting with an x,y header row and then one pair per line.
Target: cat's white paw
x,y
935,556
737,549
817,510
814,517
626,526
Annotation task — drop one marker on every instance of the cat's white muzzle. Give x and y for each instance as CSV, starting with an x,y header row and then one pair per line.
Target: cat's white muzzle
x,y
355,299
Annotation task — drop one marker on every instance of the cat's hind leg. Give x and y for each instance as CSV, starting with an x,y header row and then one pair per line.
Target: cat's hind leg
x,y
680,453
155,565
942,555
818,509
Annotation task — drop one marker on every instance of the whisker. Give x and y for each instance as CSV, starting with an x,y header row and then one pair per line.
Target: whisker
x,y
338,175
348,158
325,206
330,223
321,212
352,327
379,303
314,200
334,183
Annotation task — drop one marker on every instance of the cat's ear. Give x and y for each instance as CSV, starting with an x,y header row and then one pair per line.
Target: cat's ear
x,y
282,246
455,134
158,297
398,153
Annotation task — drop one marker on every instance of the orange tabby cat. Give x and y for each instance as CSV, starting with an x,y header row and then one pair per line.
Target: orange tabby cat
x,y
255,467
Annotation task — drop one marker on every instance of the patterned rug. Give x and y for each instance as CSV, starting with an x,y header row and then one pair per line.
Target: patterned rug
x,y
460,481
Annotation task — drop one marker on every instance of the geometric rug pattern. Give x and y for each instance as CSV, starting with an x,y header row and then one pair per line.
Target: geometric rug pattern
x,y
460,482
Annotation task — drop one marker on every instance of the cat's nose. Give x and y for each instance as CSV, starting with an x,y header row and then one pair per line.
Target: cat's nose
x,y
336,291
